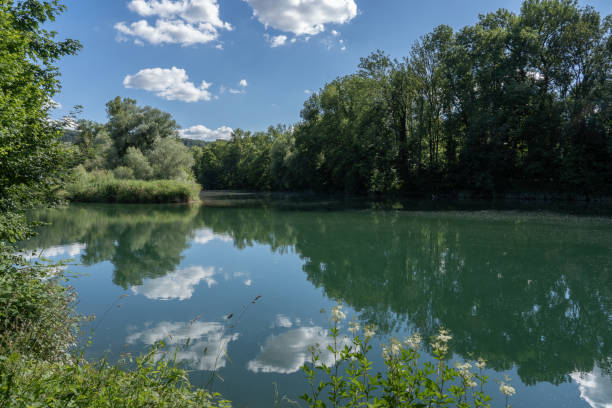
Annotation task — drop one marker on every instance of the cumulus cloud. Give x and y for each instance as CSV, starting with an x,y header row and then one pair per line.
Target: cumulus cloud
x,y
176,285
276,41
243,83
201,132
171,84
303,17
209,336
287,352
184,22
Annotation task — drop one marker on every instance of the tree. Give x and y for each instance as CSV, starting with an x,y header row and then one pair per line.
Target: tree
x,y
33,162
135,160
132,126
171,159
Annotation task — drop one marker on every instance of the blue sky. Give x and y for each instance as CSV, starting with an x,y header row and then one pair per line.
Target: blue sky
x,y
217,65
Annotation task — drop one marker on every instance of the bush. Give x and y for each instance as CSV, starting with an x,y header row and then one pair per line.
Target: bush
x,y
36,314
28,382
103,187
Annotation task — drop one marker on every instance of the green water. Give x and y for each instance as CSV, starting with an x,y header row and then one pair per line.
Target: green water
x,y
530,292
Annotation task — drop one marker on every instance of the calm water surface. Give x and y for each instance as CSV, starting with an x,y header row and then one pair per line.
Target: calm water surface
x,y
529,292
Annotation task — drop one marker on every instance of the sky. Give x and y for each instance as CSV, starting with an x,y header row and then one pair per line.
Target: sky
x,y
218,65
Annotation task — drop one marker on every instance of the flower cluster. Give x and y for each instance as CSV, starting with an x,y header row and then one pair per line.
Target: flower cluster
x,y
337,314
507,389
414,341
440,342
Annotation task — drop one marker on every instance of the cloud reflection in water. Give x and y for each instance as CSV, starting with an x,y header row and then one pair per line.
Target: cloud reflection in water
x,y
207,347
176,285
287,352
595,388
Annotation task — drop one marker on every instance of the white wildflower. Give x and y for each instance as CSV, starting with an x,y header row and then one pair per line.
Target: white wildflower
x,y
396,347
472,384
414,341
337,313
440,347
369,331
463,367
507,389
481,363
353,327
444,336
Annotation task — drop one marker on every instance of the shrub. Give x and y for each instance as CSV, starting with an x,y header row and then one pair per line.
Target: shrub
x,y
349,381
36,315
151,383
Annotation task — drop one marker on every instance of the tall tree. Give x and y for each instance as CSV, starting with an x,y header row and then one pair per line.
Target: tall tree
x,y
32,161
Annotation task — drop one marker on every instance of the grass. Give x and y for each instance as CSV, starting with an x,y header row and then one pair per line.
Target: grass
x,y
103,187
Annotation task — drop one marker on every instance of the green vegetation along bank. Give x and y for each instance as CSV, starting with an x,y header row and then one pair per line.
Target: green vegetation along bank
x,y
515,103
39,364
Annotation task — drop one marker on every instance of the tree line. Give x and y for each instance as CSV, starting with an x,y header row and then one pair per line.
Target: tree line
x,y
516,102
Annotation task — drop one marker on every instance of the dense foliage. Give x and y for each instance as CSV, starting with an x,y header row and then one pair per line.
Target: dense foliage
x,y
137,143
516,102
38,325
32,161
151,383
135,157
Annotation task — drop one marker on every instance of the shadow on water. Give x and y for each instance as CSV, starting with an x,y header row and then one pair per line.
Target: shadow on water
x,y
520,289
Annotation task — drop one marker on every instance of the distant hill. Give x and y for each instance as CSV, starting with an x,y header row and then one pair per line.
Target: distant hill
x,y
193,142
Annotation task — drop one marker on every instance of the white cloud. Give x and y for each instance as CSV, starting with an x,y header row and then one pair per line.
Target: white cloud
x,y
276,41
176,285
219,46
307,91
335,33
201,132
171,84
303,17
243,83
287,352
209,336
184,22
594,388
236,91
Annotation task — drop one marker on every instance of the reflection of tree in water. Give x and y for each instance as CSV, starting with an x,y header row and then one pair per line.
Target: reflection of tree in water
x,y
140,241
525,290
521,290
